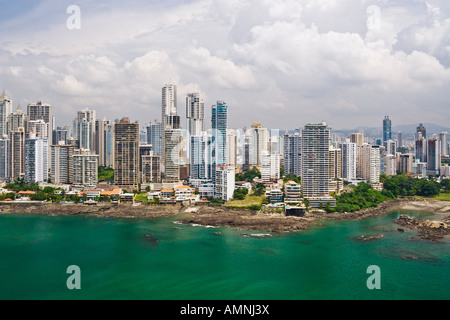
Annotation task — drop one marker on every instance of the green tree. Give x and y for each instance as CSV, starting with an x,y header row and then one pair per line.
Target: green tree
x,y
240,193
260,189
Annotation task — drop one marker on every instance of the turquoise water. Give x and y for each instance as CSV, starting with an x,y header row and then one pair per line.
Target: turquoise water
x,y
159,260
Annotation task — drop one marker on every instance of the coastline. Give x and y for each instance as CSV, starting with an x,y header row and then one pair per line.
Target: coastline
x,y
238,218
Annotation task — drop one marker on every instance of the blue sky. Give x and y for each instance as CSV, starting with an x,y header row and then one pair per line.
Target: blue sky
x,y
282,62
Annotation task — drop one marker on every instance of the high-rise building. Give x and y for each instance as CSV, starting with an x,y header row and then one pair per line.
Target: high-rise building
x,y
335,163
151,168
246,155
390,165
232,147
17,120
84,129
400,139
144,150
5,111
156,133
42,111
348,163
420,147
443,137
100,140
195,114
270,167
201,157
292,154
109,145
60,135
4,159
62,164
357,138
259,142
225,182
219,136
172,154
370,163
85,169
38,128
422,131
316,164
169,106
17,154
126,151
390,147
36,159
433,156
406,163
387,129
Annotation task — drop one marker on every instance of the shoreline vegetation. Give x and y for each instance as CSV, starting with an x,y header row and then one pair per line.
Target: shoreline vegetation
x,y
244,219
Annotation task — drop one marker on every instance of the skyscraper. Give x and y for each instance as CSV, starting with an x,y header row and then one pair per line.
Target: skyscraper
x,y
42,111
443,137
387,129
17,154
292,154
399,139
151,168
370,163
62,164
231,147
16,120
36,159
421,130
109,144
433,156
335,163
156,137
5,111
219,136
259,142
100,140
200,159
316,164
60,135
348,155
169,106
172,154
84,129
225,182
195,114
85,169
126,150
4,159
270,168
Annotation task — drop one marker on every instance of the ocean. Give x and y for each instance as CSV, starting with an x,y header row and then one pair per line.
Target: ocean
x,y
157,259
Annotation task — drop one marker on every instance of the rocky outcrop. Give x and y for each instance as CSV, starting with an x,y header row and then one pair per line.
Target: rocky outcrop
x,y
429,230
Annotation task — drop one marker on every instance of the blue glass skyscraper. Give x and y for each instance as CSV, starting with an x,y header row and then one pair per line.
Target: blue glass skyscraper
x,y
219,136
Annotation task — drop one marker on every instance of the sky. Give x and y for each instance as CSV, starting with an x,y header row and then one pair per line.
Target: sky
x,y
284,63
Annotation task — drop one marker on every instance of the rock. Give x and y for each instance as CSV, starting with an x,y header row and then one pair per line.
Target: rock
x,y
370,237
218,233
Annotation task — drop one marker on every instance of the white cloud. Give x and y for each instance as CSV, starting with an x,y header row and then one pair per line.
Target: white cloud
x,y
306,60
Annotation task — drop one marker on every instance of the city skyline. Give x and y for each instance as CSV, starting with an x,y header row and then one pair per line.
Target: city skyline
x,y
353,61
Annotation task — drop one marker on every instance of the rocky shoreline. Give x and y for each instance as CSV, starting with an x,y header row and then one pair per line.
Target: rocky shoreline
x,y
239,218
428,230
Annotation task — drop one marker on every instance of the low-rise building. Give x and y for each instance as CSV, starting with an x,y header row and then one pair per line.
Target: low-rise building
x,y
275,195
183,192
292,192
167,194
